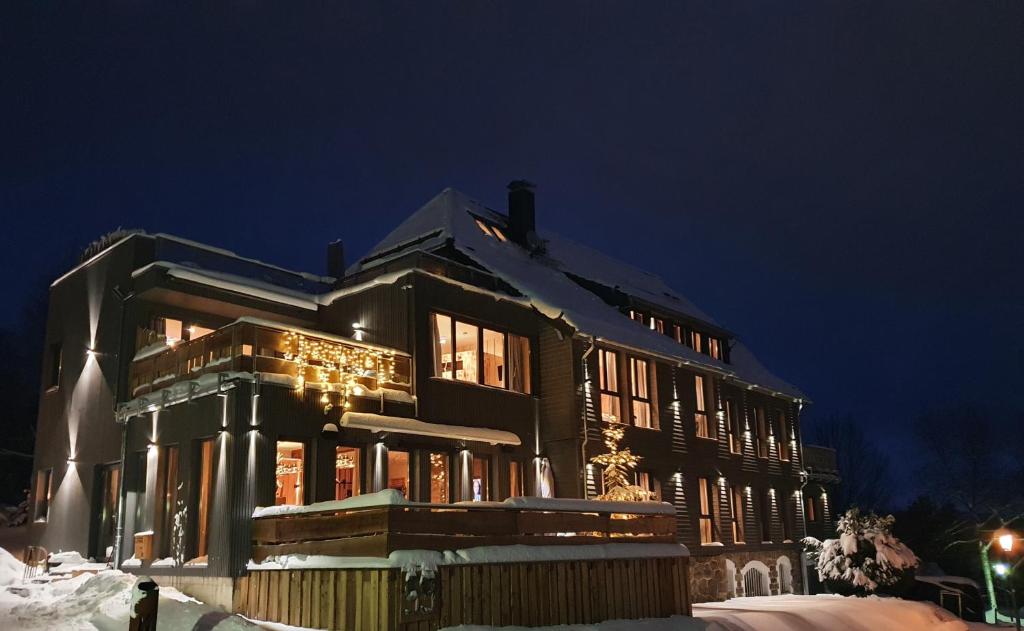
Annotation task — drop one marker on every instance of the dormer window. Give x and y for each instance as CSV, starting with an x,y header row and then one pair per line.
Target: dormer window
x,y
490,229
695,341
714,348
657,324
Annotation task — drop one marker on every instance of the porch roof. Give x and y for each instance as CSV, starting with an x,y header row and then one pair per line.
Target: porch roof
x,y
402,425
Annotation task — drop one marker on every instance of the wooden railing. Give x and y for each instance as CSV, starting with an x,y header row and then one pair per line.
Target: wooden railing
x,y
241,346
378,531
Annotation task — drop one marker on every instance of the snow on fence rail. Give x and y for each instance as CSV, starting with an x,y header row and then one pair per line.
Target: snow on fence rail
x,y
376,526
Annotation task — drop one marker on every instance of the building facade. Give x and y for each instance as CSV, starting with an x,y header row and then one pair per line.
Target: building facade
x,y
466,357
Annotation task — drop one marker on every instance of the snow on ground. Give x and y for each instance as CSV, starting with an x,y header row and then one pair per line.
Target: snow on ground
x,y
675,623
826,613
94,602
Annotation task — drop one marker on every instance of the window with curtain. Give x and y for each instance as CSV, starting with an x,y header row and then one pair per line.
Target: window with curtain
x,y
474,354
714,348
290,473
736,506
708,503
732,426
700,415
608,384
640,393
762,432
782,434
695,341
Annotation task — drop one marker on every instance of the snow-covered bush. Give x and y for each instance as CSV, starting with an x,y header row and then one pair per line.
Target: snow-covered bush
x,y
865,559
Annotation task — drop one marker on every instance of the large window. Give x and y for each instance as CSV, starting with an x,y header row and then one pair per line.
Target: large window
x,y
762,432
480,480
640,393
732,426
168,497
466,352
516,479
608,382
440,480
786,518
782,434
700,415
810,508
695,341
736,506
347,472
708,510
44,491
398,472
291,469
204,496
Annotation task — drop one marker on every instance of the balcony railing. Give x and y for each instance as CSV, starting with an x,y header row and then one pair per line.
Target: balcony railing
x,y
252,346
377,531
820,459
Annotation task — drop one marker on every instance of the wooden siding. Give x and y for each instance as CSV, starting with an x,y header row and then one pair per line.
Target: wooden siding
x,y
527,594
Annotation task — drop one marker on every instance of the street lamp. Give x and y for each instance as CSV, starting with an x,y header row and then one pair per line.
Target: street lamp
x,y
1006,542
1005,571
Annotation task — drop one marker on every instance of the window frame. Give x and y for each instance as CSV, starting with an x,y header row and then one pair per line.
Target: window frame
x,y
707,494
604,388
646,480
507,337
55,367
45,517
357,478
649,384
701,392
737,498
733,430
761,433
783,438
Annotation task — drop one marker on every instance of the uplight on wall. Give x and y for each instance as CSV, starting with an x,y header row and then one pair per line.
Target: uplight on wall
x,y
357,331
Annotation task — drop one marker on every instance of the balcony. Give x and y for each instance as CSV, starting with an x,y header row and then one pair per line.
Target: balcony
x,y
277,352
820,463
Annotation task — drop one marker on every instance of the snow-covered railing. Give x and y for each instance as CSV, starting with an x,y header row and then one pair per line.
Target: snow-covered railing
x,y
381,523
255,346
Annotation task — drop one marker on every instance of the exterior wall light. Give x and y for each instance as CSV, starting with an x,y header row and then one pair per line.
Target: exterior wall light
x,y
1006,542
1001,569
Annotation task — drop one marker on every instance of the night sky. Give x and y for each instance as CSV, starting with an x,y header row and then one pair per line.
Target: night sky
x,y
839,182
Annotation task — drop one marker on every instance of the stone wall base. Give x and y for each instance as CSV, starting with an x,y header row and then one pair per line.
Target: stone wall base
x,y
719,576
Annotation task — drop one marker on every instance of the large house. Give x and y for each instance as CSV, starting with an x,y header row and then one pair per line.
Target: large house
x,y
467,357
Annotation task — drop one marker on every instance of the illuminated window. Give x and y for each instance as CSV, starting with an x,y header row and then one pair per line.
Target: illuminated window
x,y
44,491
170,329
168,496
677,333
440,480
519,363
640,393
700,415
56,359
481,479
504,362
516,479
695,341
204,496
346,472
291,469
657,324
708,510
762,432
782,435
714,348
732,427
498,233
483,228
736,506
398,472
494,358
649,483
810,508
195,332
607,364
636,315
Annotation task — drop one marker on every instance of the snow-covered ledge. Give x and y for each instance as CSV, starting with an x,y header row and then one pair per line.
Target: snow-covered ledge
x,y
392,497
478,555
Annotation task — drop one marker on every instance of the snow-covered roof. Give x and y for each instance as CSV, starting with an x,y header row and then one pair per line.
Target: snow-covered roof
x,y
403,425
450,217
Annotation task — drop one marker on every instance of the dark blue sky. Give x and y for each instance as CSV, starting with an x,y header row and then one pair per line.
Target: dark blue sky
x,y
840,182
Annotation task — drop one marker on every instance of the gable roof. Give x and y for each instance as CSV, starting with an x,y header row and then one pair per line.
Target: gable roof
x,y
450,219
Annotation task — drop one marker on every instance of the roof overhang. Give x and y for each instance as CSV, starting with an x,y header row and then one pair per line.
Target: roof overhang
x,y
403,425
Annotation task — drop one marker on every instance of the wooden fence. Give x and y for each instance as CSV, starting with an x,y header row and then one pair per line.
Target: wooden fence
x,y
378,531
525,594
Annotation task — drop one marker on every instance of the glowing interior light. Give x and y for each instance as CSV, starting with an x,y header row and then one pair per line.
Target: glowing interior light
x,y
324,398
357,390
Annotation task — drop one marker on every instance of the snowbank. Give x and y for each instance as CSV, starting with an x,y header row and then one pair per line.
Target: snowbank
x,y
387,497
826,613
11,569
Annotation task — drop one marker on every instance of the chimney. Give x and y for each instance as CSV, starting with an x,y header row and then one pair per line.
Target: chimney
x,y
336,259
521,216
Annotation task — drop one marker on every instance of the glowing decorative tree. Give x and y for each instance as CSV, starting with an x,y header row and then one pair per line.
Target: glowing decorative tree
x,y
618,464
